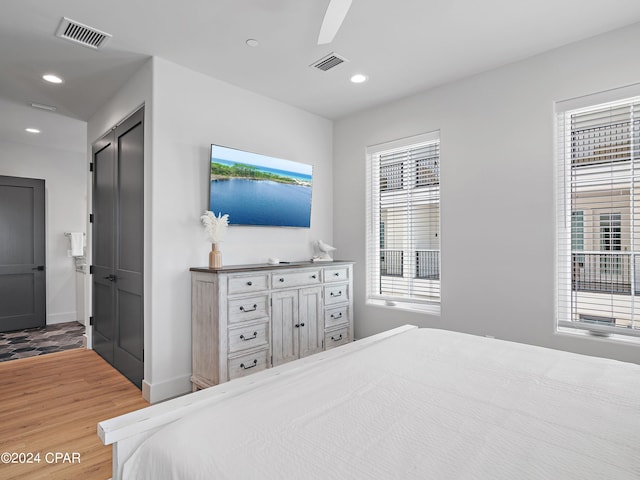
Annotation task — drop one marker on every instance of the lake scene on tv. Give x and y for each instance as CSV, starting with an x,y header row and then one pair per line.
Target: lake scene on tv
x,y
256,189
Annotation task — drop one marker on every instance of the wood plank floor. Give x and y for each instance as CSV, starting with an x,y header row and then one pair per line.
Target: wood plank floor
x,y
52,404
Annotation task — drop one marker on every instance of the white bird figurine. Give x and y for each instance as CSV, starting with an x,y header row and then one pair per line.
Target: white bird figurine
x,y
325,250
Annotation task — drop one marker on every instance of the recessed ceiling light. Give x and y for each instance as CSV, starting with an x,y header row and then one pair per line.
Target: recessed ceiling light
x,y
32,130
252,42
359,78
51,78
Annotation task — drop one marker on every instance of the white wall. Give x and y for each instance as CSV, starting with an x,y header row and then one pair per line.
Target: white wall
x,y
184,113
57,155
497,190
191,111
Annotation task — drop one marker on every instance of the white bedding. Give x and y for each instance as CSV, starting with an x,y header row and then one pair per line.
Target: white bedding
x,y
425,404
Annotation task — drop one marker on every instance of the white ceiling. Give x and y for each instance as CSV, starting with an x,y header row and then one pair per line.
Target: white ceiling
x,y
404,46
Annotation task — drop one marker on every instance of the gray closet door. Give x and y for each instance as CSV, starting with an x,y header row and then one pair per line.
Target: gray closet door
x,y
118,247
22,254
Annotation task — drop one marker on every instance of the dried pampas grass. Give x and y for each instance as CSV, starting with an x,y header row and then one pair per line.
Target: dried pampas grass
x,y
215,227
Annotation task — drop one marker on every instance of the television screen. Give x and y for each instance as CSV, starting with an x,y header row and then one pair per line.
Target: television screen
x,y
257,189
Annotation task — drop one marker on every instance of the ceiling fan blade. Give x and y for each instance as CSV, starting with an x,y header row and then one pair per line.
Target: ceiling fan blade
x,y
333,18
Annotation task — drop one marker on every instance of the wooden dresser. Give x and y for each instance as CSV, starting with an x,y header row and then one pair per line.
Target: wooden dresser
x,y
246,318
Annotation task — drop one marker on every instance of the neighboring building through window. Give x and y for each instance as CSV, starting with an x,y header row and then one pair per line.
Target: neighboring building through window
x,y
599,217
403,222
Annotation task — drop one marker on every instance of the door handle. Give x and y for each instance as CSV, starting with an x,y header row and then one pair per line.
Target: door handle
x,y
111,278
39,268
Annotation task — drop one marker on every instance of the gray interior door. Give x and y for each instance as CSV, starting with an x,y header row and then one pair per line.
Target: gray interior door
x,y
118,247
22,254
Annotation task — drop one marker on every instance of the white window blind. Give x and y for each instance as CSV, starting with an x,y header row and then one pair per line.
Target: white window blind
x,y
403,221
598,202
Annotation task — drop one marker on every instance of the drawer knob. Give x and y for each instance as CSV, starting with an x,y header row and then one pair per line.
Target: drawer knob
x,y
314,276
336,339
249,283
336,316
281,280
245,310
244,367
337,274
245,339
339,294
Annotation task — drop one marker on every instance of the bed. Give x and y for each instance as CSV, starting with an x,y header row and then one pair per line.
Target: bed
x,y
410,403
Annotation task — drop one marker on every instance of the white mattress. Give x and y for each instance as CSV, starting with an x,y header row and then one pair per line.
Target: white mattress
x,y
425,404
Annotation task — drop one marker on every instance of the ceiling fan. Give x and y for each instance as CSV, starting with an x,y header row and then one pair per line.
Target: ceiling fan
x,y
333,18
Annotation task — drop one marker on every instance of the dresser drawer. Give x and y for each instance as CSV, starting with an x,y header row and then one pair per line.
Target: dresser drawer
x,y
295,278
336,294
243,336
337,274
242,365
248,308
336,316
248,283
336,338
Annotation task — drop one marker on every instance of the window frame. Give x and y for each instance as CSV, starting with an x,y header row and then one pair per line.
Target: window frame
x,y
566,297
375,224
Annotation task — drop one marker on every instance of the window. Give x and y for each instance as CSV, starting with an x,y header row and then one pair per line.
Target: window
x,y
599,218
610,236
403,223
577,236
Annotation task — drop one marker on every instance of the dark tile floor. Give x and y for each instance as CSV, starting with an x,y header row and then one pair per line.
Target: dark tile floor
x,y
38,341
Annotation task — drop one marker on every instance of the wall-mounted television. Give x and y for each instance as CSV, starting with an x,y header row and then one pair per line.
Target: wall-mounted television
x,y
255,189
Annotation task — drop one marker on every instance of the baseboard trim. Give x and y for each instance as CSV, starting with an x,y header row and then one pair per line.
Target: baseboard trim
x,y
66,317
160,391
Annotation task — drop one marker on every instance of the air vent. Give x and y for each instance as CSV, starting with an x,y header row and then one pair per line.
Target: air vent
x,y
330,61
82,34
42,106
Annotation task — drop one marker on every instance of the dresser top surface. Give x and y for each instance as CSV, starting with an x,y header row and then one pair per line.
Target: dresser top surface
x,y
267,266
